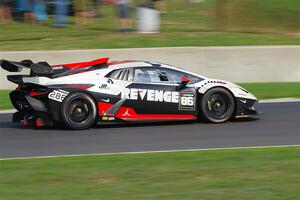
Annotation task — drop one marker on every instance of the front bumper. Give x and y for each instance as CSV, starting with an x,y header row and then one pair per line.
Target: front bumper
x,y
247,108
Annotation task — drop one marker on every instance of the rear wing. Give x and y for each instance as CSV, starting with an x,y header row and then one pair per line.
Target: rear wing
x,y
38,69
44,69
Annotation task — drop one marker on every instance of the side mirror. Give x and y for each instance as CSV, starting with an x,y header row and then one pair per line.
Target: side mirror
x,y
184,82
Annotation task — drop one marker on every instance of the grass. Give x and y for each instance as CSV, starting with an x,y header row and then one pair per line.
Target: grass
x,y
260,90
272,173
273,90
248,22
4,100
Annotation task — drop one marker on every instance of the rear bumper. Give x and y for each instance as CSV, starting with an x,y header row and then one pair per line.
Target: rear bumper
x,y
31,110
247,108
26,104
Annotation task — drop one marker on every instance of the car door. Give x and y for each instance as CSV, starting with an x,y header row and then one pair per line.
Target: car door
x,y
154,95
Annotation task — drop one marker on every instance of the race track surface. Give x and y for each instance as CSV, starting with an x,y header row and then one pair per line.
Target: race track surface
x,y
280,125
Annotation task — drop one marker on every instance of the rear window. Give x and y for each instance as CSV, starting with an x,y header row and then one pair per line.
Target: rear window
x,y
120,74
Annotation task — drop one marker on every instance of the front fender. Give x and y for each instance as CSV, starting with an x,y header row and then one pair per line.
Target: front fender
x,y
236,90
246,103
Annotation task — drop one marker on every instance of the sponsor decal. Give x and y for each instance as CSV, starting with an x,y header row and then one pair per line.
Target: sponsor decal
x,y
58,95
243,101
111,119
126,113
187,101
105,100
150,95
103,87
104,118
110,81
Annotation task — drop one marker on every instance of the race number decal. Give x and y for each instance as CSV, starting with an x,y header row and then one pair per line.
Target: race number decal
x,y
187,101
58,95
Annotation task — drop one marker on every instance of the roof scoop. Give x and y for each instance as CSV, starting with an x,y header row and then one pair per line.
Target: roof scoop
x,y
41,69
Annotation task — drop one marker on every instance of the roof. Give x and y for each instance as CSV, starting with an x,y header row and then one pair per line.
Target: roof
x,y
133,63
123,64
127,63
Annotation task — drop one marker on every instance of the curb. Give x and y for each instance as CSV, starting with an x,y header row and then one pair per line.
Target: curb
x,y
7,111
281,100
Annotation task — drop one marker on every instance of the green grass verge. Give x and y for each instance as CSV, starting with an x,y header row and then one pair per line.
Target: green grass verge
x,y
211,23
4,100
266,174
260,90
273,90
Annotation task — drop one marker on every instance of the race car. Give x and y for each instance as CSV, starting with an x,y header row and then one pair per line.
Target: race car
x,y
80,95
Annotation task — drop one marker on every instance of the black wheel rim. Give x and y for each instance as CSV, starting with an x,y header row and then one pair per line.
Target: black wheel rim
x,y
217,105
78,110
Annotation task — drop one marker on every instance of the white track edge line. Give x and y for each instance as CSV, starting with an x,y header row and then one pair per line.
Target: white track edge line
x,y
7,111
152,152
279,100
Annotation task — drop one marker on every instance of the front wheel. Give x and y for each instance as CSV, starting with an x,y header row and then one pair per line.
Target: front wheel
x,y
78,111
217,105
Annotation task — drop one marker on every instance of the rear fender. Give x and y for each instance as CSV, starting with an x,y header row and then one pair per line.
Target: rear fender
x,y
57,95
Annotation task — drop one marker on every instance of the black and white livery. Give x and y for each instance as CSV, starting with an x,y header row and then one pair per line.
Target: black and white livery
x,y
79,95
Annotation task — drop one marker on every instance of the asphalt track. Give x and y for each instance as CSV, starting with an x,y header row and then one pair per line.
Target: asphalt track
x,y
280,125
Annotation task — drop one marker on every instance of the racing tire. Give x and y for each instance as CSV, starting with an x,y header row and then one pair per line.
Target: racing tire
x,y
217,105
78,111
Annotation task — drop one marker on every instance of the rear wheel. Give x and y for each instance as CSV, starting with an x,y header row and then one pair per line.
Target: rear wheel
x,y
217,105
78,111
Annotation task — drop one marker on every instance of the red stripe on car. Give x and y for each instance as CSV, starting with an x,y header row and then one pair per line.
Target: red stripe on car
x,y
84,64
103,107
36,93
129,114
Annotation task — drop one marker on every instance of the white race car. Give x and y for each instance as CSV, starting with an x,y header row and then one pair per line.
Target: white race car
x,y
78,95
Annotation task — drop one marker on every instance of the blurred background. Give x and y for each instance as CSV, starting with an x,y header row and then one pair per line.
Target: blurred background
x,y
195,25
255,44
101,25
92,24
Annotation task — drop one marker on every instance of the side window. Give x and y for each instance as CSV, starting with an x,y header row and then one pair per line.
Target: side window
x,y
161,75
146,75
175,76
120,74
114,74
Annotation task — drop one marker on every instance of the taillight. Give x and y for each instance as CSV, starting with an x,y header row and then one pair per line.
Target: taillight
x,y
19,87
79,86
38,91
